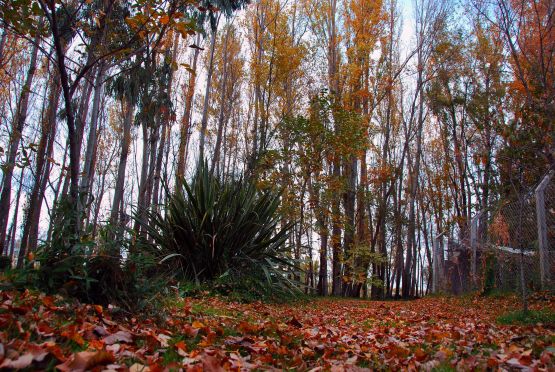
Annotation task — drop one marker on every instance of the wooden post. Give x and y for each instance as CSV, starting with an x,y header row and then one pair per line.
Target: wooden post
x,y
543,243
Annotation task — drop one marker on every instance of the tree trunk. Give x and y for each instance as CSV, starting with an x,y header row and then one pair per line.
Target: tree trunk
x,y
122,165
184,135
204,121
336,234
15,138
43,164
2,46
158,169
88,173
217,149
13,228
349,198
143,179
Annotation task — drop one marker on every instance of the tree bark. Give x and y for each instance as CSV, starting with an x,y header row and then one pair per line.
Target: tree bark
x,y
184,135
15,138
217,149
92,139
204,121
43,165
128,109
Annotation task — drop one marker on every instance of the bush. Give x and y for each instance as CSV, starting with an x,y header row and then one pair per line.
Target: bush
x,y
224,230
5,263
114,268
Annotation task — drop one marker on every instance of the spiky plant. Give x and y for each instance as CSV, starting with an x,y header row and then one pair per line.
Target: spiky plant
x,y
211,229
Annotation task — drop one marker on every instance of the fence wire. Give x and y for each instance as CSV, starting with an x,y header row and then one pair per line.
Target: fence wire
x,y
502,248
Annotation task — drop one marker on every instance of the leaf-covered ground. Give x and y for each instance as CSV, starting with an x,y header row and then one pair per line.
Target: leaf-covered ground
x,y
44,332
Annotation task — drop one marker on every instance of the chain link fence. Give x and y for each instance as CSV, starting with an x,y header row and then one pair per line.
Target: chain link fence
x,y
503,249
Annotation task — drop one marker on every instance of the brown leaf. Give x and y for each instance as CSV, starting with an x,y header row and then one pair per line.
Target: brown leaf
x,y
189,331
138,368
420,354
86,360
295,323
119,336
101,331
211,364
23,361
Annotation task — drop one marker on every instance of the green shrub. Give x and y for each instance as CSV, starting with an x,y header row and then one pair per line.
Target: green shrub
x,y
113,268
224,230
5,263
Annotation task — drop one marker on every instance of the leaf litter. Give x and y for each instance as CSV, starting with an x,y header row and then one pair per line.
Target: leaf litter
x,y
41,332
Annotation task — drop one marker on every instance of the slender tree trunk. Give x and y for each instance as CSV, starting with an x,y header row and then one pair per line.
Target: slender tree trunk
x,y
158,169
186,119
3,45
143,180
73,131
62,183
128,109
349,198
398,238
92,140
204,121
99,197
154,137
323,270
336,235
217,149
165,124
15,139
362,229
413,184
43,164
13,228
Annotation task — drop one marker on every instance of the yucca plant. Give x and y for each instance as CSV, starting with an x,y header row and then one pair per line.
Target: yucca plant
x,y
212,229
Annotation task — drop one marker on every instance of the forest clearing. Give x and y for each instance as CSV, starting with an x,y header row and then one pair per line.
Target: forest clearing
x,y
214,334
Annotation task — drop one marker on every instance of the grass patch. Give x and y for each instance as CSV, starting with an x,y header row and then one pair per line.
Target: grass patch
x,y
444,367
201,309
527,318
497,293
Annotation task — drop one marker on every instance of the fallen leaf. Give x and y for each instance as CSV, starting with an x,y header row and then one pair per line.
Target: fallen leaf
x,y
295,323
23,361
85,360
211,364
119,336
137,367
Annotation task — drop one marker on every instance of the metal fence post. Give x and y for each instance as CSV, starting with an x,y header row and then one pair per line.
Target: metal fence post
x,y
474,246
543,243
437,265
435,273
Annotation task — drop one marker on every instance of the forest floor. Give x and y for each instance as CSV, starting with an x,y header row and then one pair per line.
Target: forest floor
x,y
212,334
